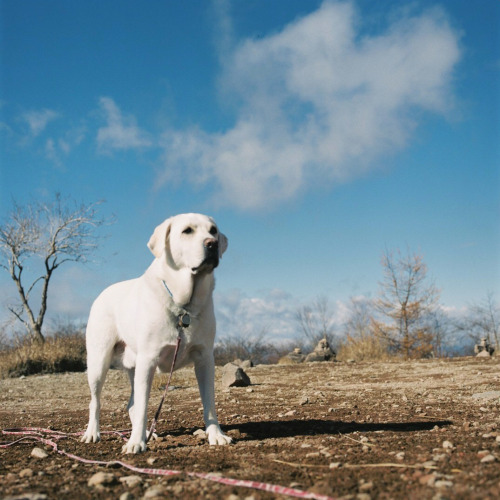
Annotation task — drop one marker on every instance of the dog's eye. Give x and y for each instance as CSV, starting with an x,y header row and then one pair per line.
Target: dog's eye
x,y
188,230
213,230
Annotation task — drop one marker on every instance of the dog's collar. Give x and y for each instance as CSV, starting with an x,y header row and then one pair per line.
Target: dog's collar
x,y
183,319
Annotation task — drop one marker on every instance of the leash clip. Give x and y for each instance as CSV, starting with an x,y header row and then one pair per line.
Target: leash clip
x,y
184,320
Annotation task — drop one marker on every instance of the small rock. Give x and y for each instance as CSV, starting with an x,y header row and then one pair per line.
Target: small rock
x,y
200,434
39,453
400,455
447,445
28,496
151,460
366,486
427,479
335,465
487,395
101,479
155,491
131,481
234,433
26,473
126,496
290,413
443,483
363,496
488,459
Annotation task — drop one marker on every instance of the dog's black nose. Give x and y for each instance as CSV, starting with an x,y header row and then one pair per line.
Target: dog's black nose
x,y
211,244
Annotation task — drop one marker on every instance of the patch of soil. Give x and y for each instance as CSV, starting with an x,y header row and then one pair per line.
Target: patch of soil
x,y
412,430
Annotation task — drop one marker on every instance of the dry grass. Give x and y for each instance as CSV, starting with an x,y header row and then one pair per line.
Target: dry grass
x,y
63,353
367,347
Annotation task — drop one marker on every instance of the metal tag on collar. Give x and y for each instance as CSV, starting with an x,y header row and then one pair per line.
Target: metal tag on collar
x,y
184,320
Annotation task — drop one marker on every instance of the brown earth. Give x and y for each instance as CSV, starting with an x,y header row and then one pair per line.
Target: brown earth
x,y
417,430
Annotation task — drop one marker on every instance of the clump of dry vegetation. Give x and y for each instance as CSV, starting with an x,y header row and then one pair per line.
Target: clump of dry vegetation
x,y
365,347
59,353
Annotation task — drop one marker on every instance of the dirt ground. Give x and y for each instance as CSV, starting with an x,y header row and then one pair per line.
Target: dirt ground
x,y
412,430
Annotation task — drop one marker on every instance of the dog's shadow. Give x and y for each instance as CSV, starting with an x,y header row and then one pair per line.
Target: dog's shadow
x,y
294,428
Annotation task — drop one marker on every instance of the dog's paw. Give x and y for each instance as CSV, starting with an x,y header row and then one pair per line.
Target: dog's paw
x,y
132,447
91,436
216,436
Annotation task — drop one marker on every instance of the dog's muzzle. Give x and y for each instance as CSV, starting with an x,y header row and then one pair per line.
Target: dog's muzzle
x,y
211,260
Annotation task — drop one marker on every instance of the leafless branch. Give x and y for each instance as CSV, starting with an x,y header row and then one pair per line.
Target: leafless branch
x,y
50,234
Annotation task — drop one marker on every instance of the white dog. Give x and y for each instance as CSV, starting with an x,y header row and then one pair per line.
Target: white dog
x,y
135,323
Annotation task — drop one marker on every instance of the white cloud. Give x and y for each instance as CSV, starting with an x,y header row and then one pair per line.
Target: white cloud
x,y
58,150
272,312
121,132
317,102
38,120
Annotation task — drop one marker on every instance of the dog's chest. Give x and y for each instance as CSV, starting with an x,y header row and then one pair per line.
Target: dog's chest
x,y
184,350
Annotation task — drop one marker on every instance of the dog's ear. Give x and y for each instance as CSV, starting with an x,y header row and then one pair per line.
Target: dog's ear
x,y
222,244
159,237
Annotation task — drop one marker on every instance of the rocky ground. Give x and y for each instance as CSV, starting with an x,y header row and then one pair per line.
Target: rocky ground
x,y
417,430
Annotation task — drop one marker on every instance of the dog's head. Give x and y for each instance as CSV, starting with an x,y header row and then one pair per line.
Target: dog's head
x,y
191,241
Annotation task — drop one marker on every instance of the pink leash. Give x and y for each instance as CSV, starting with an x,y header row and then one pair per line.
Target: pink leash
x,y
157,414
50,438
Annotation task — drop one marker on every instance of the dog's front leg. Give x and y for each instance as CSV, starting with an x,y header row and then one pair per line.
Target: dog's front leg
x,y
143,378
205,373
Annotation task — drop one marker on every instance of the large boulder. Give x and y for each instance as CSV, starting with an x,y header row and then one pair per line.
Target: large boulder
x,y
292,358
322,352
484,348
234,376
246,363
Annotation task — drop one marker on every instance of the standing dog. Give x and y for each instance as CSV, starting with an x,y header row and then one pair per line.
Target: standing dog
x,y
134,323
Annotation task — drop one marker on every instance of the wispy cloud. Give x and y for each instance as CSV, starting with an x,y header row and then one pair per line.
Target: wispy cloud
x,y
317,102
38,120
272,313
57,150
121,132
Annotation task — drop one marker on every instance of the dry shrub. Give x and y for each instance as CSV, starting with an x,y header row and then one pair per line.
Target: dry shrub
x,y
60,353
255,348
365,347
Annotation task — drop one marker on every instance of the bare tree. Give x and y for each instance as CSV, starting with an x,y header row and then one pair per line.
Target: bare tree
x,y
316,320
359,322
360,341
47,234
407,298
483,321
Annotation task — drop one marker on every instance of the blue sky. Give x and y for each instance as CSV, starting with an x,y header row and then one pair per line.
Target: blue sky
x,y
318,134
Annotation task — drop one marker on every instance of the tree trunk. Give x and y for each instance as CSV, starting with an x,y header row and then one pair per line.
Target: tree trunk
x,y
37,335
